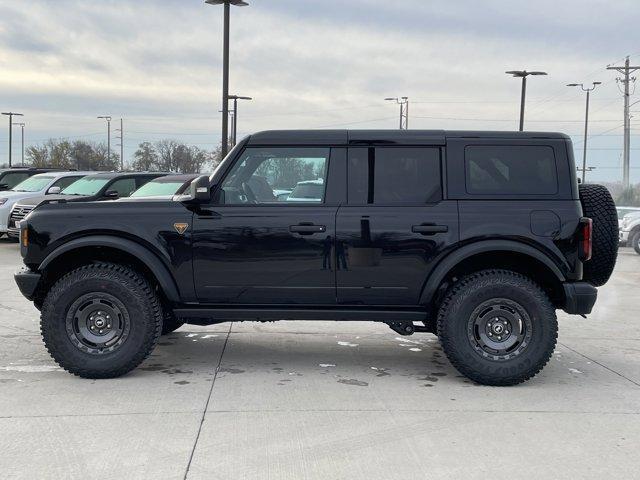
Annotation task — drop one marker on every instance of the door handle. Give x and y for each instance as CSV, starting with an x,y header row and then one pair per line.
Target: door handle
x,y
307,229
426,229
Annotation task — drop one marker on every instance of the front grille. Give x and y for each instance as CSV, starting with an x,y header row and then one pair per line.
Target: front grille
x,y
17,214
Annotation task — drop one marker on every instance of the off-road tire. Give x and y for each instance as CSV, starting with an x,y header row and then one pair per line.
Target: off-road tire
x,y
634,241
467,296
598,205
133,293
169,322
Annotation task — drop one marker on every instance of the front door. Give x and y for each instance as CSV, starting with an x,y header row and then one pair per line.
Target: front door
x,y
268,236
394,225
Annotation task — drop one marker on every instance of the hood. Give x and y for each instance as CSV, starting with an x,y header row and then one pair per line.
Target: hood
x,y
41,198
156,198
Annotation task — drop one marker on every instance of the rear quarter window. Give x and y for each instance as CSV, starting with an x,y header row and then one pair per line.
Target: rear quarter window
x,y
510,170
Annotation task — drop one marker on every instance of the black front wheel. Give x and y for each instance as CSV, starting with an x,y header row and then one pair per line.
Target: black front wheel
x,y
497,327
100,320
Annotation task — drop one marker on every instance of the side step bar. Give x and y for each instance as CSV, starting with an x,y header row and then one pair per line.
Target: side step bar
x,y
205,316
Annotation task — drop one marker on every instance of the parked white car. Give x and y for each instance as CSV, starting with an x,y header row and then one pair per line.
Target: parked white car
x,y
41,184
630,230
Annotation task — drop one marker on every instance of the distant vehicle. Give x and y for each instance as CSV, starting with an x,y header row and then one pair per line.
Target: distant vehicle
x,y
163,188
307,191
281,194
622,211
10,177
45,184
93,187
630,231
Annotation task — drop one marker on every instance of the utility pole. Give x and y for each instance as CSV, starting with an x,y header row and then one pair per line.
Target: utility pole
x,y
523,93
225,69
21,125
627,70
108,119
11,115
234,118
586,124
121,144
404,110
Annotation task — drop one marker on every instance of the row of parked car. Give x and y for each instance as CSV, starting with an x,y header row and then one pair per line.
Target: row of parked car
x,y
23,189
629,227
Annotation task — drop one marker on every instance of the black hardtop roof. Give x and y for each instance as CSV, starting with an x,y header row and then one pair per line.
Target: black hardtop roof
x,y
405,137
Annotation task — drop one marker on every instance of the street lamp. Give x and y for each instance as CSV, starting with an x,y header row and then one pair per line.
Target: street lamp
x,y
234,130
21,125
404,110
225,69
586,123
523,74
11,115
108,119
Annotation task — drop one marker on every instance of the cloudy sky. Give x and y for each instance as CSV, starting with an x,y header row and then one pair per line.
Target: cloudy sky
x,y
316,64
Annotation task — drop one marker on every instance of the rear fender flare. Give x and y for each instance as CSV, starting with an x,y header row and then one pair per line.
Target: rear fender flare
x,y
454,258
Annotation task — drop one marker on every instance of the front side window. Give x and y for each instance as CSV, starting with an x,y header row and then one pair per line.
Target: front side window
x,y
394,175
65,182
33,184
11,179
510,169
124,187
277,176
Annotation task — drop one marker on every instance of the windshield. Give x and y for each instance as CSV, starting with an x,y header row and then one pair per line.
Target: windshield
x,y
158,189
33,184
86,186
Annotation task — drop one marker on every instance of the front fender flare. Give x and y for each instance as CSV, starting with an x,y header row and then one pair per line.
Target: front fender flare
x,y
454,258
150,259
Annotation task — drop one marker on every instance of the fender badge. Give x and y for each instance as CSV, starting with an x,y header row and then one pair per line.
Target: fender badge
x,y
181,227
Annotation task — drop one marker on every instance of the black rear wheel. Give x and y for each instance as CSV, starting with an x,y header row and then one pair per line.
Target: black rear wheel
x,y
497,327
100,320
634,241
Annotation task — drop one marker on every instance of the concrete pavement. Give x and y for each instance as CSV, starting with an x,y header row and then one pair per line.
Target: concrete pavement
x,y
323,400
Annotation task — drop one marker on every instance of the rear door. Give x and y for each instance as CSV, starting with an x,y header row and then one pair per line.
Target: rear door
x,y
394,225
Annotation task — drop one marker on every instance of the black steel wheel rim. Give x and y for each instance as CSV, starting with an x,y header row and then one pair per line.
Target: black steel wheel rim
x,y
499,329
97,323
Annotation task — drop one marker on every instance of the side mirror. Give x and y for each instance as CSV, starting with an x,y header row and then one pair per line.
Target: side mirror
x,y
111,194
54,191
199,189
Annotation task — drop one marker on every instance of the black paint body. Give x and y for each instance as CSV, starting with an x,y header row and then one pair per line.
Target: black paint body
x,y
366,258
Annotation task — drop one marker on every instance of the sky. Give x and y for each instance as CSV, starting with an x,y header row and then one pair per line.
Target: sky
x,y
316,64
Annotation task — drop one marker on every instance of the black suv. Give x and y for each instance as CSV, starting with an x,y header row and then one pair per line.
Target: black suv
x,y
475,236
10,177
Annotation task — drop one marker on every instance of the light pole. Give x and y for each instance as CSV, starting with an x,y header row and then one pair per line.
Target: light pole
x,y
523,74
586,123
234,131
108,119
225,69
11,115
404,110
21,125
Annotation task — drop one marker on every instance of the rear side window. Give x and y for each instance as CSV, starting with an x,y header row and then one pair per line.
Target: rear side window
x,y
510,169
394,175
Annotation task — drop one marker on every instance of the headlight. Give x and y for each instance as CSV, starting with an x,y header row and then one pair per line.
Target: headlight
x,y
3,200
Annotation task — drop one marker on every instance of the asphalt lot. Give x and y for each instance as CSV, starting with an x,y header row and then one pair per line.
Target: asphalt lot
x,y
323,400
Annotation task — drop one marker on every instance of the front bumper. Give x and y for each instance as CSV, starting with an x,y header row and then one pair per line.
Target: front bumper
x,y
27,281
623,236
580,297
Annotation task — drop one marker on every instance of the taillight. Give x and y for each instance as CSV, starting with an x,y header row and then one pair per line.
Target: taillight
x,y
585,239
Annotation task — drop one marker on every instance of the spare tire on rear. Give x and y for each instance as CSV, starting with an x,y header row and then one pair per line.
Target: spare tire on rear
x,y
598,205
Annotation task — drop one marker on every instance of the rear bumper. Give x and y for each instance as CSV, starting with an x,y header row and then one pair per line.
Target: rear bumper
x,y
580,297
27,281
